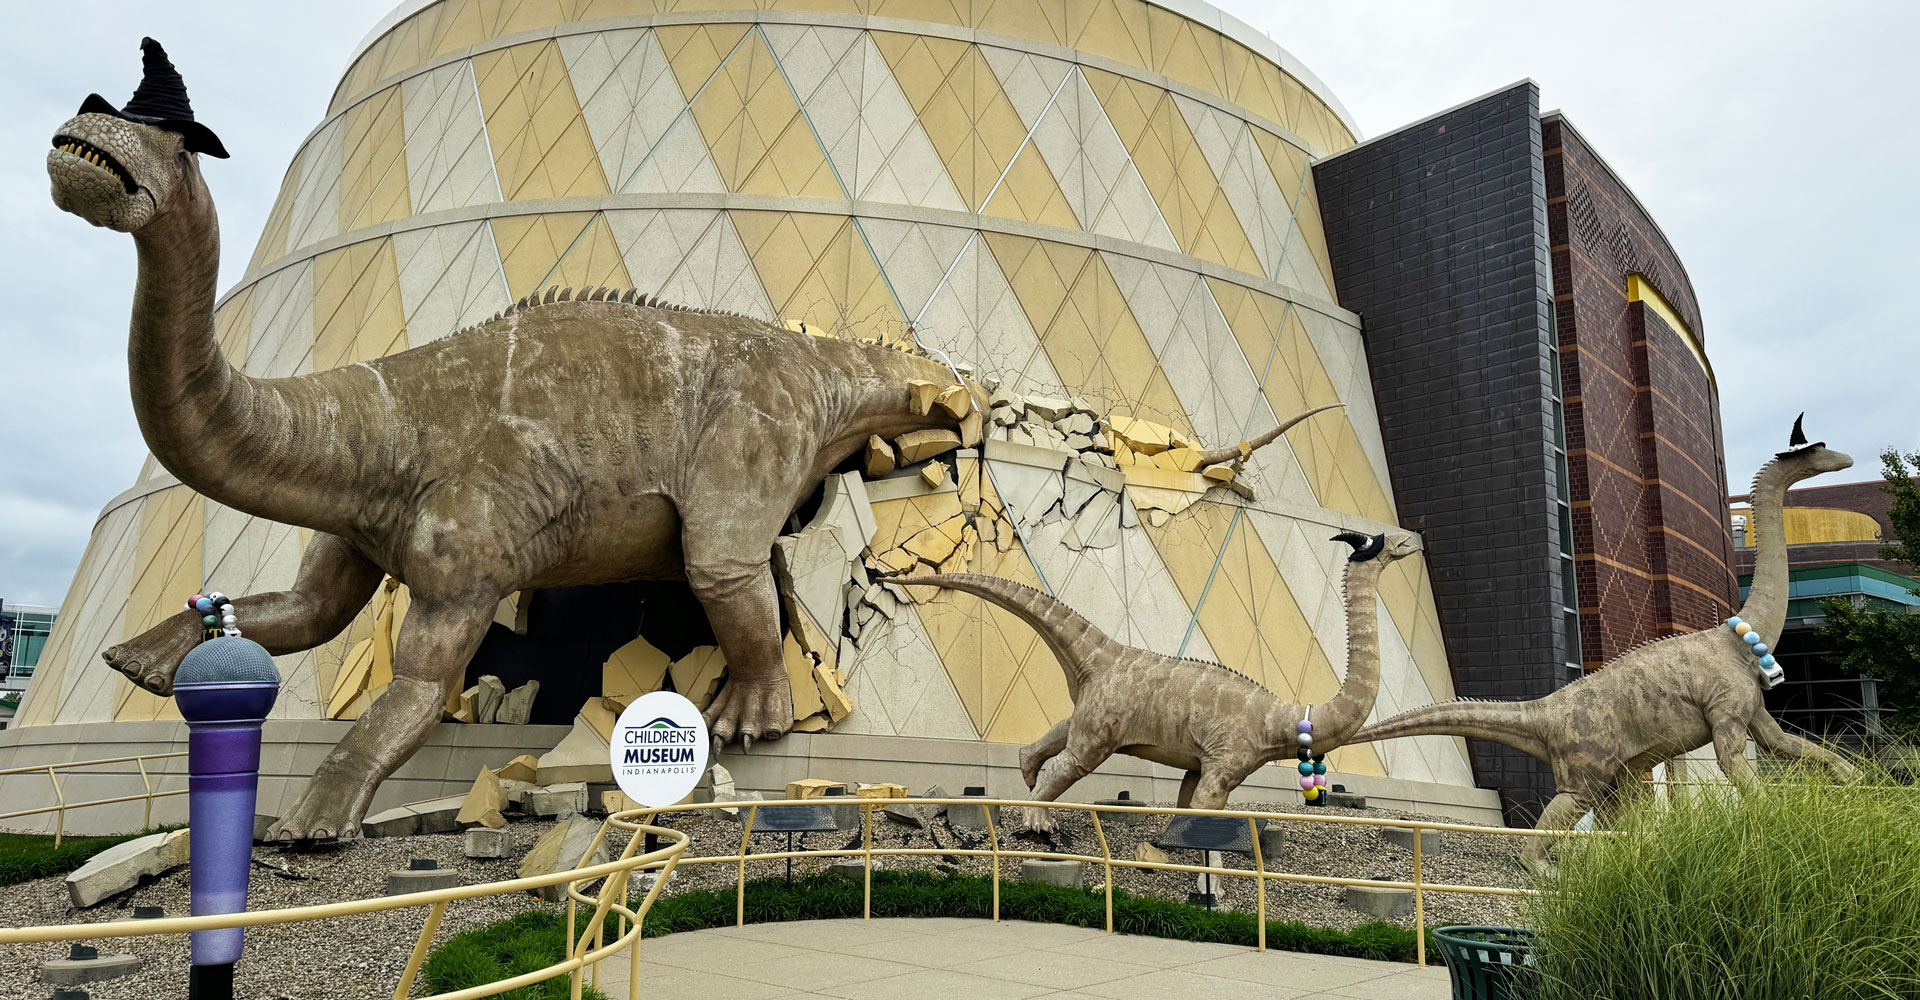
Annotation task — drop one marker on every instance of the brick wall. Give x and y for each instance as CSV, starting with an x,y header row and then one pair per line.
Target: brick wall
x,y
1645,456
1438,234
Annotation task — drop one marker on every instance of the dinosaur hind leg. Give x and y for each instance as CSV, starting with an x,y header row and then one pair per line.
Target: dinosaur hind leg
x,y
436,641
743,607
332,586
1560,814
1188,783
1779,742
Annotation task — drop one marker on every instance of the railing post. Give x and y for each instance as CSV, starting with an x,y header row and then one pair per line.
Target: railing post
x,y
420,950
1419,901
147,823
740,889
60,819
1107,854
866,847
993,844
1259,878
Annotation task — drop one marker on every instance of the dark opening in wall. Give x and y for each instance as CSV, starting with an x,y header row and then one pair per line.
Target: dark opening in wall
x,y
572,630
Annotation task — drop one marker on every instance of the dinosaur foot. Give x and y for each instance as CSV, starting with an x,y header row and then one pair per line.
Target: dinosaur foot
x,y
1037,820
330,809
150,658
751,710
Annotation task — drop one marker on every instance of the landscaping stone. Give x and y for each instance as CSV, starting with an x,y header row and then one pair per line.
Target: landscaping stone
x,y
849,868
1346,800
965,817
565,799
425,877
123,866
1430,840
559,850
906,812
481,842
1049,871
1383,903
1272,843
84,964
1123,818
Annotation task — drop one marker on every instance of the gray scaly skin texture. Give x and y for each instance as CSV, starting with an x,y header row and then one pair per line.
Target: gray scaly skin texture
x,y
562,443
1215,724
1656,700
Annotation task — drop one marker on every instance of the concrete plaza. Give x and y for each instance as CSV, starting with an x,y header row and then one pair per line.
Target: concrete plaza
x,y
962,959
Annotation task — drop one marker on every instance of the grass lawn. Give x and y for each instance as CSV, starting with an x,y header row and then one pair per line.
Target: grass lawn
x,y
28,856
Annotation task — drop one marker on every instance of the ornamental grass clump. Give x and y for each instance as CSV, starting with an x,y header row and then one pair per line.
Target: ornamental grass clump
x,y
1803,889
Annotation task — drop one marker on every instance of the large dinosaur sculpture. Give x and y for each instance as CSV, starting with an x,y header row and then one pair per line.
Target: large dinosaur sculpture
x,y
577,439
1215,724
1658,699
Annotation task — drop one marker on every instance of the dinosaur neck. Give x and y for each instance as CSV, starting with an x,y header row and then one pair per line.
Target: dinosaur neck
x,y
878,400
229,437
1348,709
1080,647
1766,605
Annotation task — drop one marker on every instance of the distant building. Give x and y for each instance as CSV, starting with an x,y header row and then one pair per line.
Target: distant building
x,y
23,634
1834,535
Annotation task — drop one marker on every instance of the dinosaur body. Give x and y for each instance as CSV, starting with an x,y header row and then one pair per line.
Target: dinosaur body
x,y
1656,700
1215,724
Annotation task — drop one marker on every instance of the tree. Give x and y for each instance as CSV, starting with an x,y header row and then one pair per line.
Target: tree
x,y
1885,645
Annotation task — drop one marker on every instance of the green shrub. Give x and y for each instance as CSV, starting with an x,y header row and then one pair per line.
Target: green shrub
x,y
28,856
518,945
1803,889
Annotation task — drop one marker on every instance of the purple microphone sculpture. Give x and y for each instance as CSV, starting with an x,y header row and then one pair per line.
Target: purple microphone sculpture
x,y
224,689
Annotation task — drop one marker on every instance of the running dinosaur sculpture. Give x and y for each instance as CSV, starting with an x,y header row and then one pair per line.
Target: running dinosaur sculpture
x,y
1658,699
1214,723
577,438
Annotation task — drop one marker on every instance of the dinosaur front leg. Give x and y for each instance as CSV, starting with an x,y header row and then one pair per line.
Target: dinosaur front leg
x,y
332,586
1730,750
1189,783
436,641
1779,742
1035,755
742,605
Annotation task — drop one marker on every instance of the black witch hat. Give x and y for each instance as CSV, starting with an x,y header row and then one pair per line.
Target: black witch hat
x,y
160,101
1797,443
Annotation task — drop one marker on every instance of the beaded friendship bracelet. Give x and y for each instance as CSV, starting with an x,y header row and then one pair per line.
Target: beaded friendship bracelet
x,y
216,614
1313,767
1771,674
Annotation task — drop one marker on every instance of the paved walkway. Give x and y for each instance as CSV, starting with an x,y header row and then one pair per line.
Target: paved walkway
x,y
956,959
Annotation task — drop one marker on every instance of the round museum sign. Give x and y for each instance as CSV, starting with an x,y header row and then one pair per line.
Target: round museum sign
x,y
659,749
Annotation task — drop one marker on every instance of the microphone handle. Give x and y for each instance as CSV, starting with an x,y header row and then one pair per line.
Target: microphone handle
x,y
223,761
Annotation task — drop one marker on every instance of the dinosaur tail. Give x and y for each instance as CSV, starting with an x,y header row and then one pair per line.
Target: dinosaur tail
x,y
1500,721
1075,641
1239,452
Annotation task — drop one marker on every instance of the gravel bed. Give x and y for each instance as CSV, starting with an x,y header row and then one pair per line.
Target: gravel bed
x,y
362,957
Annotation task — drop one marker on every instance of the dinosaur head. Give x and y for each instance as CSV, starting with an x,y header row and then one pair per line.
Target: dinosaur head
x,y
1803,460
123,167
1386,547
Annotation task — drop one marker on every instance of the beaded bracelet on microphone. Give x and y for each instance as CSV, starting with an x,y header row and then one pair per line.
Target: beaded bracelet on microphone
x,y
216,614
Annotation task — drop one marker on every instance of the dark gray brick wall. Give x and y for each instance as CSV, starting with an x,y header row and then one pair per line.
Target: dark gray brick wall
x,y
1438,235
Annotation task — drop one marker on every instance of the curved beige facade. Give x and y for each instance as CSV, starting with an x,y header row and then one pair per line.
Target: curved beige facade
x,y
1104,199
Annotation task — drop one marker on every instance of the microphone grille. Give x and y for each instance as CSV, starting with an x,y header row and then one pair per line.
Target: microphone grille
x,y
228,659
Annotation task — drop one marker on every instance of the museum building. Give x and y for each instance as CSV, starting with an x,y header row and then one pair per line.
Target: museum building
x,y
1144,214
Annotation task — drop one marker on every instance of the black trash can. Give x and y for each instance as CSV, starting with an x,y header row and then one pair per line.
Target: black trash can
x,y
1487,963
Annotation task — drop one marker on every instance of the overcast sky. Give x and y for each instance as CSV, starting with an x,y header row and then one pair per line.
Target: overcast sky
x,y
1773,143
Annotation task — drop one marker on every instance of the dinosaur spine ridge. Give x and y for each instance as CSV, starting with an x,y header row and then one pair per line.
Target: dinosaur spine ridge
x,y
555,294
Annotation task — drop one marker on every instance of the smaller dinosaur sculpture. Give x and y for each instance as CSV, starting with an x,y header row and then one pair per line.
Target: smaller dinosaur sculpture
x,y
1659,699
1214,723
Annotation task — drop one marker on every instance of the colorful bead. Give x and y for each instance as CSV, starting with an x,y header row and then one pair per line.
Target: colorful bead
x,y
1306,739
1306,767
1313,794
1305,726
203,605
1306,782
1320,767
1319,781
1752,638
217,597
1304,754
1743,628
1766,660
1733,621
210,621
1759,649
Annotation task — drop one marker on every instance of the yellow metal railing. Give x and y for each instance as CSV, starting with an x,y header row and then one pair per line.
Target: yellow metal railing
x,y
61,805
591,946
582,954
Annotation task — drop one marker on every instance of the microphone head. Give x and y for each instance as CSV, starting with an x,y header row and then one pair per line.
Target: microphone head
x,y
228,659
